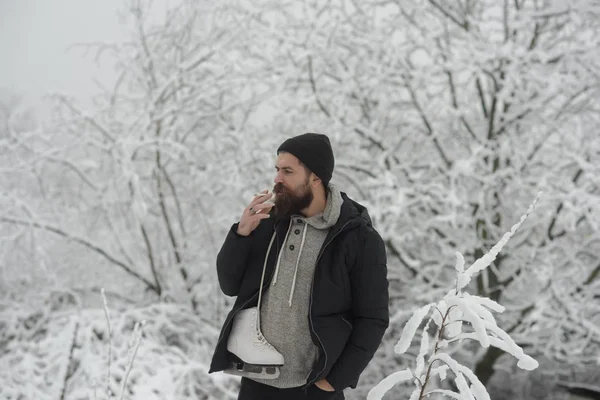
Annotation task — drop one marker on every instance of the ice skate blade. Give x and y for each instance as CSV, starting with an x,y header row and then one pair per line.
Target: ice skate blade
x,y
253,371
236,360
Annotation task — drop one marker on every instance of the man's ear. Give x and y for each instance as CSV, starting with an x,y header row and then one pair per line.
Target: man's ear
x,y
315,179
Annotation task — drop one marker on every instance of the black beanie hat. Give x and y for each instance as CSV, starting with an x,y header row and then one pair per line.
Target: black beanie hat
x,y
314,151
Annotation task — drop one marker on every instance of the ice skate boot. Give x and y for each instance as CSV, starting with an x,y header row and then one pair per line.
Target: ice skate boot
x,y
252,355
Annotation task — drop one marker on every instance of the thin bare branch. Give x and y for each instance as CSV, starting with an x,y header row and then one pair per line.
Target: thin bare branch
x,y
106,314
177,202
463,24
428,126
138,340
313,85
481,97
151,259
68,372
593,275
92,121
83,242
559,208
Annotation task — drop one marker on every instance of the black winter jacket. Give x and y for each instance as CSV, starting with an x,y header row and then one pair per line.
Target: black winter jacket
x,y
348,314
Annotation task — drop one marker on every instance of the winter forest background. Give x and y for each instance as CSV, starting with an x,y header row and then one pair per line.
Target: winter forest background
x,y
446,117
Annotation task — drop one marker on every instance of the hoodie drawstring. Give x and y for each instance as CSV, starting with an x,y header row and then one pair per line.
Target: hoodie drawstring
x,y
297,260
297,263
262,279
281,253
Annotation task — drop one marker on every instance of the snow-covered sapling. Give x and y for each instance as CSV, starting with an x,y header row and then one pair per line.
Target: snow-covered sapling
x,y
455,312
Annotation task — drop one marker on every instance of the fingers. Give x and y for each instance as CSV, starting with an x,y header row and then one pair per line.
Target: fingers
x,y
258,209
261,198
258,216
261,209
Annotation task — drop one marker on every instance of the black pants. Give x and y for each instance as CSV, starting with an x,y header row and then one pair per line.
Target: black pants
x,y
251,390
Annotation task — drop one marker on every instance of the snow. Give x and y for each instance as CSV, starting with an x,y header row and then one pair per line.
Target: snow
x,y
463,387
454,324
460,263
161,358
441,371
475,305
387,383
447,393
475,321
410,329
476,389
490,256
37,358
487,302
424,349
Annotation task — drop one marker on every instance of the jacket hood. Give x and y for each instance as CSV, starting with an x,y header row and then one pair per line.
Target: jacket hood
x,y
352,214
362,211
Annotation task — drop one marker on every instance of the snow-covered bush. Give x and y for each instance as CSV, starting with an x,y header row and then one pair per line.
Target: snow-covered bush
x,y
59,352
453,315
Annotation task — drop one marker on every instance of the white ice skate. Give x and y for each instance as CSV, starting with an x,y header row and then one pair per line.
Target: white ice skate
x,y
252,355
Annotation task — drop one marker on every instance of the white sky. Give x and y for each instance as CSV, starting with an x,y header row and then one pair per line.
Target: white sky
x,y
34,40
35,36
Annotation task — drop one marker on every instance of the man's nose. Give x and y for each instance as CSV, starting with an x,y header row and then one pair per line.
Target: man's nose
x,y
278,178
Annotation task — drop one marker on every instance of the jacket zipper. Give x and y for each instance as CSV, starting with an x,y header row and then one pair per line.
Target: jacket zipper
x,y
227,321
311,300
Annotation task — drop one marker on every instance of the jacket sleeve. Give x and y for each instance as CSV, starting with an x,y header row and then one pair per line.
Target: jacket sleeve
x,y
231,261
371,313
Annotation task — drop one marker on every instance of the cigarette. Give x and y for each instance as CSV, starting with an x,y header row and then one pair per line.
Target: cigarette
x,y
262,194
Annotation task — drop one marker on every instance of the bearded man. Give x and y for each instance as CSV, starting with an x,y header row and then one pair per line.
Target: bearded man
x,y
314,267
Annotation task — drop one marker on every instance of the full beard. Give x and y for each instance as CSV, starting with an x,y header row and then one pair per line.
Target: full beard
x,y
288,203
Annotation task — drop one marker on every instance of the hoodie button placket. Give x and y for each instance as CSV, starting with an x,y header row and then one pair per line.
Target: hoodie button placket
x,y
293,240
297,232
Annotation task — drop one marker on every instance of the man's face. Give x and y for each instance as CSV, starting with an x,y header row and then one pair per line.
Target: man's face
x,y
292,189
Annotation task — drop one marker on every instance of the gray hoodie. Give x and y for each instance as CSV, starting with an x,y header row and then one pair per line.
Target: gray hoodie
x,y
284,308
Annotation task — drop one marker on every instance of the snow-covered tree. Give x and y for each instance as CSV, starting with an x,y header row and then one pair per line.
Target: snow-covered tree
x,y
139,180
132,192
